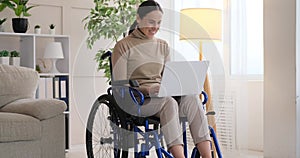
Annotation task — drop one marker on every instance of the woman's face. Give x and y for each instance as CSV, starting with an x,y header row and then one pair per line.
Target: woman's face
x,y
150,23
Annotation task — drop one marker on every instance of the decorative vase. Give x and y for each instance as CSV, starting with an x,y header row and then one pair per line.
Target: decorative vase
x,y
14,61
37,30
20,25
52,31
4,60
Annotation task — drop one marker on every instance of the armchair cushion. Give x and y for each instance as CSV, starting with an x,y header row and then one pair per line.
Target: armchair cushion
x,y
39,108
18,127
16,83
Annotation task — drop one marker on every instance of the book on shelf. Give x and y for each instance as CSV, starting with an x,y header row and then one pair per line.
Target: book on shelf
x,y
54,87
45,88
60,89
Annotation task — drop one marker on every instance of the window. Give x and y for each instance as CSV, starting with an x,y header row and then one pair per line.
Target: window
x,y
245,29
246,36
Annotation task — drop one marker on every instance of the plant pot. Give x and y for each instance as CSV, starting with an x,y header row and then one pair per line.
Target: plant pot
x,y
52,31
20,25
4,60
14,61
37,31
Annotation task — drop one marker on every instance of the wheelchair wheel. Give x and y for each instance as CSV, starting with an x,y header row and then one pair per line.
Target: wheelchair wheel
x,y
101,132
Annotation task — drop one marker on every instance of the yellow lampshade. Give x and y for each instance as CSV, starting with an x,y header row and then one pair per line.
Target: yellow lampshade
x,y
200,23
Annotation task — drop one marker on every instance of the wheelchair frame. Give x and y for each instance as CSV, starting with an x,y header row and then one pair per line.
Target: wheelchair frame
x,y
120,125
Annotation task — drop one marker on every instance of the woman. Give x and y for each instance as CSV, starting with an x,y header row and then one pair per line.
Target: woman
x,y
140,56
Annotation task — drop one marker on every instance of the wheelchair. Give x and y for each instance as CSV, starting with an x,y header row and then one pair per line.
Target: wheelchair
x,y
112,132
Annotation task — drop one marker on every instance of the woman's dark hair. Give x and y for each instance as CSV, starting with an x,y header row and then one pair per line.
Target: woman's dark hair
x,y
145,8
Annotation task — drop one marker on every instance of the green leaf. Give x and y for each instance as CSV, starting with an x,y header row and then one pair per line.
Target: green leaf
x,y
108,21
4,53
19,7
26,14
19,10
14,54
2,7
2,21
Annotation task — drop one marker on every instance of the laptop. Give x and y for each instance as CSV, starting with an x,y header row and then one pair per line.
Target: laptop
x,y
183,78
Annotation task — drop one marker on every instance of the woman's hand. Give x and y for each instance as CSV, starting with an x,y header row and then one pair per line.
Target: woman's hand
x,y
153,90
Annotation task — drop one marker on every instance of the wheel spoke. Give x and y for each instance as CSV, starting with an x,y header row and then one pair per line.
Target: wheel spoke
x,y
100,138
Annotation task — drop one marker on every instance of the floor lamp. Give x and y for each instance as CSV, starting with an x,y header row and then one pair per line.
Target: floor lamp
x,y
203,24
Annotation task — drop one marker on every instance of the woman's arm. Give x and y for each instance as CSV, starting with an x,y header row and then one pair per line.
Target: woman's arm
x,y
119,62
167,55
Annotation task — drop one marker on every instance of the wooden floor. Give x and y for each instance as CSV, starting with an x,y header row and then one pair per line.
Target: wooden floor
x,y
80,153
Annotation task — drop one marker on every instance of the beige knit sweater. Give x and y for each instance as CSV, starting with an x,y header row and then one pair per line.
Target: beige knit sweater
x,y
140,58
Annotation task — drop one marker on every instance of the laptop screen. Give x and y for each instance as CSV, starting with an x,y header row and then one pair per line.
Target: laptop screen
x,y
183,78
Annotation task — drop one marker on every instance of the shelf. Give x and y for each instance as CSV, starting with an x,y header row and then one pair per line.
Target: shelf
x,y
30,34
52,74
15,34
31,47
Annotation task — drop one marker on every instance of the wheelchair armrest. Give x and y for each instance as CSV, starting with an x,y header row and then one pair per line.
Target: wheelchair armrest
x,y
132,83
134,93
205,101
129,93
121,89
204,94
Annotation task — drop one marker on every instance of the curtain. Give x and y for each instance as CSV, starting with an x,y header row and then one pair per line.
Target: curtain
x,y
238,37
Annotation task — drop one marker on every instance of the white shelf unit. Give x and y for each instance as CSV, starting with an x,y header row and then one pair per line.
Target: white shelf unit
x,y
31,48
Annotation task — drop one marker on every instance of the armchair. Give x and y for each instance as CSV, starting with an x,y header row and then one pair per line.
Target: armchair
x,y
29,127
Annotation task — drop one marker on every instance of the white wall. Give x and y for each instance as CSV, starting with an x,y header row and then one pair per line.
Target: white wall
x,y
281,118
298,76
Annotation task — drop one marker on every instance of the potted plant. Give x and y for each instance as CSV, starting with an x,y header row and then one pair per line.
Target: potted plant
x,y
51,29
37,29
14,58
1,24
20,8
4,57
109,22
